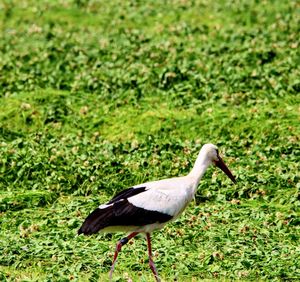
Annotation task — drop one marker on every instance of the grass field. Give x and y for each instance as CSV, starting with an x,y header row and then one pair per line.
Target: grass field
x,y
96,96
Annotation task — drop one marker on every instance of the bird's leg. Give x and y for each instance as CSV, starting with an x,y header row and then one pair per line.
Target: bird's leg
x,y
119,245
151,262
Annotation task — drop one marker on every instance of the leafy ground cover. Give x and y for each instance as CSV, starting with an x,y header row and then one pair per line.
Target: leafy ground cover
x,y
96,96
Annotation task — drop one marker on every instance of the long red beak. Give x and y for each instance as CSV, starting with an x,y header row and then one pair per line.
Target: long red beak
x,y
220,164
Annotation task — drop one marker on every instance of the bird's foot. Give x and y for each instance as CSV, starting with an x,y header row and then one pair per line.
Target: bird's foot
x,y
118,249
111,271
154,270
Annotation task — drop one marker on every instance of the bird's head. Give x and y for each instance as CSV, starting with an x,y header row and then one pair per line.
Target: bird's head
x,y
211,153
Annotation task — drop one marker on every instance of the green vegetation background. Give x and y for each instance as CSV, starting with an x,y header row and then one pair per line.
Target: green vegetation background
x,y
96,96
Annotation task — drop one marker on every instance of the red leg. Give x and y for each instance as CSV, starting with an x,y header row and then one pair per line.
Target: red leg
x,y
121,243
151,262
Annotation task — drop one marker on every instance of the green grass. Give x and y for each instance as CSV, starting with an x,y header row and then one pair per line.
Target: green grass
x,y
96,96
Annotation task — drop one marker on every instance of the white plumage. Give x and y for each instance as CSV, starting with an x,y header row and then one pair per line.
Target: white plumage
x,y
151,205
168,196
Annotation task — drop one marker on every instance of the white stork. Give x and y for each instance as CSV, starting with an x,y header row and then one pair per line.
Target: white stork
x,y
150,206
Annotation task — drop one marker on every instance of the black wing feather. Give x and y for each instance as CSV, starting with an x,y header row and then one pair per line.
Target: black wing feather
x,y
127,193
120,212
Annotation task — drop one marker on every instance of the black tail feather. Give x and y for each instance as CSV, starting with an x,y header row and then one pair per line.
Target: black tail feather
x,y
101,218
96,221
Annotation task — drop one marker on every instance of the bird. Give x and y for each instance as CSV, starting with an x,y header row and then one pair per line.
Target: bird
x,y
150,206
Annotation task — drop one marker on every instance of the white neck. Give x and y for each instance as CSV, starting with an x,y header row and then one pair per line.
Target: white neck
x,y
200,166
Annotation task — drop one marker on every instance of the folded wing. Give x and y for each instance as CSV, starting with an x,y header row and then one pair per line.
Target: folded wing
x,y
127,209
